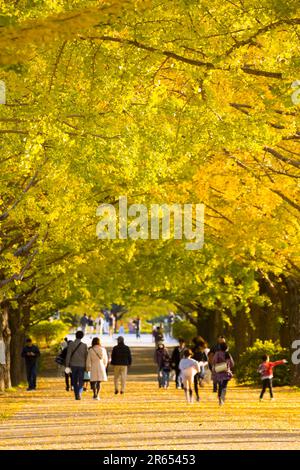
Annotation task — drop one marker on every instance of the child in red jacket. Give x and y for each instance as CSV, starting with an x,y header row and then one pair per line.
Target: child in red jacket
x,y
266,371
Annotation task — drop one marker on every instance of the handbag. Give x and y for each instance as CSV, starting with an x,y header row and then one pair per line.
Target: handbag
x,y
221,367
86,376
59,360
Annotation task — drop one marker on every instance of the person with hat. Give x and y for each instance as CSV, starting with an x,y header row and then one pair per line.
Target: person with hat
x,y
121,359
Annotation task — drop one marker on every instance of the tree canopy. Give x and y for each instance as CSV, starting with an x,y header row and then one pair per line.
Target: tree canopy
x,y
164,102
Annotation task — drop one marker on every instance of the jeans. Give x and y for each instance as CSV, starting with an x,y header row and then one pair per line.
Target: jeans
x,y
31,375
164,376
222,384
77,380
267,383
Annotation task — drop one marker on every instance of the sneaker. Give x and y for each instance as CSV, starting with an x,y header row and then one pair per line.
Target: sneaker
x,y
272,399
260,399
221,402
116,392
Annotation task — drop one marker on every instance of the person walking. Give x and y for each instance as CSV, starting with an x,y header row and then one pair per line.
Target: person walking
x,y
200,356
96,364
31,353
176,357
171,320
216,347
163,361
158,335
111,324
138,324
266,371
76,360
121,359
99,324
121,329
222,365
189,368
90,325
84,322
61,359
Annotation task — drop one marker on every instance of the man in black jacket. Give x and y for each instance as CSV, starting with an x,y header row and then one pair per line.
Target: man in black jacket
x,y
177,355
31,353
120,359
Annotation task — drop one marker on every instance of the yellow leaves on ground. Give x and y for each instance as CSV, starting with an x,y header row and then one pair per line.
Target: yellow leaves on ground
x,y
147,418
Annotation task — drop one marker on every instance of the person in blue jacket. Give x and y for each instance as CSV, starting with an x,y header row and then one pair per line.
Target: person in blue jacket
x,y
31,353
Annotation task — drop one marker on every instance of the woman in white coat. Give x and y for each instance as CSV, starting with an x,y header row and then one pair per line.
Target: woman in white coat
x,y
96,364
188,369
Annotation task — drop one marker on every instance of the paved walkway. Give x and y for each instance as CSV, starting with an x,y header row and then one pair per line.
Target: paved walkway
x,y
145,341
147,418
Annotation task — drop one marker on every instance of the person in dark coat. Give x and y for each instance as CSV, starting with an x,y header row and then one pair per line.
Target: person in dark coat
x,y
121,359
177,355
68,377
31,353
163,361
199,355
158,335
137,324
84,322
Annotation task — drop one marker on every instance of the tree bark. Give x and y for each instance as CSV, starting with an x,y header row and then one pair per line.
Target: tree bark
x,y
240,332
5,337
19,323
291,308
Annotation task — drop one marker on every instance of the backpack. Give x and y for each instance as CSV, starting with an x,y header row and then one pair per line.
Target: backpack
x,y
61,357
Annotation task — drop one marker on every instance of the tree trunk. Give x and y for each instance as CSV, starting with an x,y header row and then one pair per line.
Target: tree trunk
x,y
18,322
240,332
208,324
291,308
17,369
5,342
